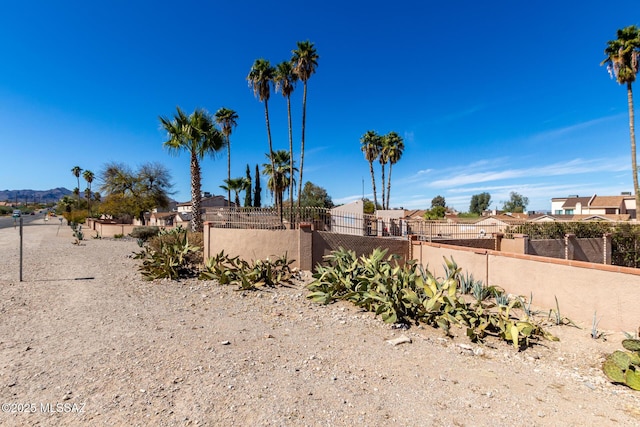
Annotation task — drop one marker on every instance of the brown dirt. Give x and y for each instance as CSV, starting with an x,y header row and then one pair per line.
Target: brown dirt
x,y
85,341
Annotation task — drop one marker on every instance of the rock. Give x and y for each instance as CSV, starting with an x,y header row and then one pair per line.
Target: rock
x,y
402,339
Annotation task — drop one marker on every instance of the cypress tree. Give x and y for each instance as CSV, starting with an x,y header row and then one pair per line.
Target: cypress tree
x,y
247,194
257,202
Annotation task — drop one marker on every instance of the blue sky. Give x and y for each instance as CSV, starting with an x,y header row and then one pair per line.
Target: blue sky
x,y
494,96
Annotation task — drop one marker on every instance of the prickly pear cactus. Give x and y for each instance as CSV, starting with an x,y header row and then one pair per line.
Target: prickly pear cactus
x,y
624,366
621,358
613,371
632,379
631,345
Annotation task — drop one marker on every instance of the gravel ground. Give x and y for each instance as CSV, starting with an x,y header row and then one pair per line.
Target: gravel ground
x,y
85,341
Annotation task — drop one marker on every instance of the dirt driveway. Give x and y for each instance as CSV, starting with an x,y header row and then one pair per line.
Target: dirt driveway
x,y
85,341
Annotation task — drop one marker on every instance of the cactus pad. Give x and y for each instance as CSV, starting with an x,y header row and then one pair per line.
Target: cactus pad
x,y
613,371
621,358
631,345
632,379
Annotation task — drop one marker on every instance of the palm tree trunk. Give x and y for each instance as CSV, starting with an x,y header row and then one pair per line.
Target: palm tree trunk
x,y
273,165
373,184
634,163
78,177
304,119
228,170
196,218
389,186
383,199
291,180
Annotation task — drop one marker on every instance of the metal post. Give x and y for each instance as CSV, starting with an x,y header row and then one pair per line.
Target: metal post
x,y
21,248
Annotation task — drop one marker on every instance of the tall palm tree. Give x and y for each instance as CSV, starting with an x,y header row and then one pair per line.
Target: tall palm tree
x,y
279,178
622,60
305,61
88,176
227,119
197,135
395,147
383,158
76,170
285,80
260,80
370,146
236,185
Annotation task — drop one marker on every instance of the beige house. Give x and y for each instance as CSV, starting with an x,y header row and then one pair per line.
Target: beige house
x,y
623,206
206,202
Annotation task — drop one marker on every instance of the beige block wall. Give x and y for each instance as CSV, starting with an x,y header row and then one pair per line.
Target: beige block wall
x,y
581,288
252,244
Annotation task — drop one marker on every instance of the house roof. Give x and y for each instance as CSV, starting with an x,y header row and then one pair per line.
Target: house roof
x,y
608,201
204,199
587,217
160,215
571,202
415,214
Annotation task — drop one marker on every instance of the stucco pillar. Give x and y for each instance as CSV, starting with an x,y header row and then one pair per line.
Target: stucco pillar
x,y
206,229
606,248
497,241
413,240
305,246
569,242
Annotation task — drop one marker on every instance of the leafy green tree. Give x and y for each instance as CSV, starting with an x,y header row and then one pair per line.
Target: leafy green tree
x,y
517,203
623,62
438,201
368,207
305,61
257,191
479,203
395,147
370,144
129,194
436,212
196,135
247,195
227,120
315,196
260,80
285,81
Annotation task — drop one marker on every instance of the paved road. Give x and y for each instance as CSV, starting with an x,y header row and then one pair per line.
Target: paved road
x,y
8,221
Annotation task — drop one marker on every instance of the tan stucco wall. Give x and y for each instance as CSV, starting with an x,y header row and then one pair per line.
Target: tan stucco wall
x,y
581,288
252,244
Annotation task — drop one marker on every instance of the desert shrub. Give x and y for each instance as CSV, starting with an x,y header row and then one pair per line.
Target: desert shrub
x,y
75,216
170,255
176,236
235,271
408,294
145,232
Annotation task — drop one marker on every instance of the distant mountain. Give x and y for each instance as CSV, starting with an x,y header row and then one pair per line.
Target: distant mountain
x,y
30,196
